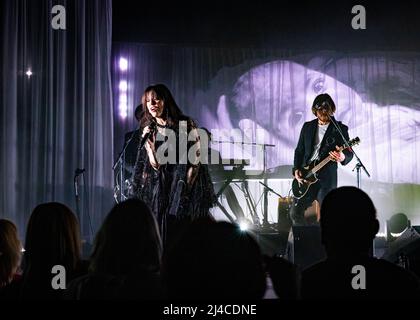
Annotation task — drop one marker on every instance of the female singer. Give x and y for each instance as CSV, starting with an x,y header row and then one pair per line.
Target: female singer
x,y
168,177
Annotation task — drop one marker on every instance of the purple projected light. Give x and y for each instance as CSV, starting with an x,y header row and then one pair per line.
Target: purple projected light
x,y
123,87
123,64
122,105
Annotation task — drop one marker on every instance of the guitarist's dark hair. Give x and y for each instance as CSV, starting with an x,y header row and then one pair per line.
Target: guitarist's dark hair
x,y
321,101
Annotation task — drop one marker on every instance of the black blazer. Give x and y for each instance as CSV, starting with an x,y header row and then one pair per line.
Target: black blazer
x,y
306,144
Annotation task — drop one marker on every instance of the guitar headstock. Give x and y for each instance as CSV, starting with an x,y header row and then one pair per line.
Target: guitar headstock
x,y
353,142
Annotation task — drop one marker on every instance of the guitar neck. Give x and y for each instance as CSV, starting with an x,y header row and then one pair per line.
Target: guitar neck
x,y
320,165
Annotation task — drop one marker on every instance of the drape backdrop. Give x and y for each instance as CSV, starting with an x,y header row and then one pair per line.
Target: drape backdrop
x,y
59,118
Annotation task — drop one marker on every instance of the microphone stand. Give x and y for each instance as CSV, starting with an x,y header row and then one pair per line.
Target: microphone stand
x,y
265,213
359,164
266,190
271,190
121,160
77,173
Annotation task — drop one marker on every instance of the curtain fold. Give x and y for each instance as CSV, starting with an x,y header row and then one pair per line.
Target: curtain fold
x,y
59,118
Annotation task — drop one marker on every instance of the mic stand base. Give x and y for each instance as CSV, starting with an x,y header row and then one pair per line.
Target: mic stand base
x,y
358,174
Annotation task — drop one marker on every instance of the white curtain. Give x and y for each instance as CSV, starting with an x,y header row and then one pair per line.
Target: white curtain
x,y
59,118
268,94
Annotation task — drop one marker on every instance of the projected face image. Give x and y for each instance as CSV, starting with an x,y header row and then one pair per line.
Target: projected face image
x,y
276,99
278,96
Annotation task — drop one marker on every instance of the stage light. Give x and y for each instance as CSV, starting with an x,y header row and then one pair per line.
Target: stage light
x,y
123,86
29,73
123,108
123,98
123,114
243,225
397,225
123,64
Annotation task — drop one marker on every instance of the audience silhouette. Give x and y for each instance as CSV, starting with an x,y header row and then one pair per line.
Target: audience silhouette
x,y
125,262
52,239
214,261
348,228
207,261
10,254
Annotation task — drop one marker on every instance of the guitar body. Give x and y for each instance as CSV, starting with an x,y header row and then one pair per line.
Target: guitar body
x,y
299,190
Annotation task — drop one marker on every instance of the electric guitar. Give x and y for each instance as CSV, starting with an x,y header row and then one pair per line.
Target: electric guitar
x,y
309,173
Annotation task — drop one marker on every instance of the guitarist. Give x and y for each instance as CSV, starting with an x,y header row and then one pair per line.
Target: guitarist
x,y
318,140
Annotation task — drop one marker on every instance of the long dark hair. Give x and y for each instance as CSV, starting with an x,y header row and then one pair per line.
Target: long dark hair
x,y
172,112
10,248
52,238
128,241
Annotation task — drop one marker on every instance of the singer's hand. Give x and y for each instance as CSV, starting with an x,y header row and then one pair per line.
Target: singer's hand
x,y
150,143
146,130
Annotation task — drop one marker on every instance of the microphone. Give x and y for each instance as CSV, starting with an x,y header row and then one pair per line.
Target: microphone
x,y
152,127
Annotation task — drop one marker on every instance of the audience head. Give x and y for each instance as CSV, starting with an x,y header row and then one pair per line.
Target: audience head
x,y
128,241
10,251
348,221
52,238
215,260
